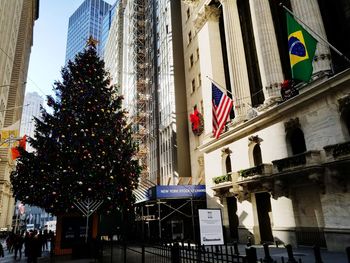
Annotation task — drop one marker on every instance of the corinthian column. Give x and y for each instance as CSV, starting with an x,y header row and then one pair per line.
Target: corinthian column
x,y
267,49
309,12
211,62
236,59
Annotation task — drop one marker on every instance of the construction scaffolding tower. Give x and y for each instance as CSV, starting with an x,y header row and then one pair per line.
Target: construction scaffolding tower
x,y
141,115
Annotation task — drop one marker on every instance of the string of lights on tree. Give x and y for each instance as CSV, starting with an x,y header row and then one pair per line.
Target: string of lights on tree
x,y
84,148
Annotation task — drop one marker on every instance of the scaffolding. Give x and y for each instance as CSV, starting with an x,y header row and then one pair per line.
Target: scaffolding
x,y
140,117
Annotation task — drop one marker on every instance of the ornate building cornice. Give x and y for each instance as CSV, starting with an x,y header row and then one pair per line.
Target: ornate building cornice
x,y
191,2
205,14
255,139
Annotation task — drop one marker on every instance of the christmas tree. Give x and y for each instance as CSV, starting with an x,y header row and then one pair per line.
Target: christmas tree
x,y
84,148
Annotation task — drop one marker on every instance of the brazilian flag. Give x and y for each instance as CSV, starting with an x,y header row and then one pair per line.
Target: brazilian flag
x,y
302,47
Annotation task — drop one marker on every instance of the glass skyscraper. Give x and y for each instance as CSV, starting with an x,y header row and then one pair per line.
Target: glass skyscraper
x,y
86,21
106,26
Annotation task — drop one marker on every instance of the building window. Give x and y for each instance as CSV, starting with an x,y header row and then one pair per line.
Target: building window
x,y
257,155
189,37
191,61
197,51
228,164
199,80
346,119
295,137
202,108
188,13
226,161
193,85
297,141
344,108
254,150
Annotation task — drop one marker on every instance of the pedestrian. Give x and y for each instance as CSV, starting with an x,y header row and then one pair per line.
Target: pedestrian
x,y
34,245
18,245
9,242
26,243
39,237
45,237
1,250
52,242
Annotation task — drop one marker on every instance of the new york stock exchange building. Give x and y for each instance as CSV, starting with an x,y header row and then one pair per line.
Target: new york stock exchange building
x,y
280,170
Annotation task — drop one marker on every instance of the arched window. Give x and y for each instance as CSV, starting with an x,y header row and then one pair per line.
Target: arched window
x,y
228,164
347,121
345,115
297,141
257,155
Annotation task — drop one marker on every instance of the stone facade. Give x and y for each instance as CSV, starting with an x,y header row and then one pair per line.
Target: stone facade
x,y
285,160
17,21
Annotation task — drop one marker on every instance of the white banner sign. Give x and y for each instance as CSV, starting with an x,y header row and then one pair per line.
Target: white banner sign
x,y
210,224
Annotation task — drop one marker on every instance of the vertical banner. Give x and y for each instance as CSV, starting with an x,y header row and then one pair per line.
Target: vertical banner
x,y
8,135
210,223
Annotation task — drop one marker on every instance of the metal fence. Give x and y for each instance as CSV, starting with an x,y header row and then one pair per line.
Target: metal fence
x,y
186,253
180,253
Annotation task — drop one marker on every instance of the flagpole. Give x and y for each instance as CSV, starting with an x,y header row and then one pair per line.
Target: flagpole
x,y
315,33
233,96
218,85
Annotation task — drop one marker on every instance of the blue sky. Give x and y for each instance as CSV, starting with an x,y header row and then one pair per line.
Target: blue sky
x,y
49,44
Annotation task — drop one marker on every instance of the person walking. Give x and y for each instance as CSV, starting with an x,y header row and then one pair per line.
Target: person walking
x,y
9,242
1,250
26,243
52,238
18,245
34,245
45,238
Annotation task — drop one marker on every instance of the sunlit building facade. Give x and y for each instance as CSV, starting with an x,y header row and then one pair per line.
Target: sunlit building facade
x,y
113,43
16,32
32,103
279,170
153,87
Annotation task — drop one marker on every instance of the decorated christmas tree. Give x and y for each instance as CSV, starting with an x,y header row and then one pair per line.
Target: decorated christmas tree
x,y
83,146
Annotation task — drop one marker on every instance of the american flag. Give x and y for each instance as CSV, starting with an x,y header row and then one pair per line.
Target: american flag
x,y
222,106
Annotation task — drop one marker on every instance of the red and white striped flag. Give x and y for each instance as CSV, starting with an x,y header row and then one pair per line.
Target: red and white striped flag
x,y
222,106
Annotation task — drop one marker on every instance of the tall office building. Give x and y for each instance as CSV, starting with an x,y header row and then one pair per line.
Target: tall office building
x,y
86,21
31,109
113,42
16,32
107,22
153,87
147,37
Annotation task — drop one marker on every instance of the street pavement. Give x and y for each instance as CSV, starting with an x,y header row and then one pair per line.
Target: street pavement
x,y
305,254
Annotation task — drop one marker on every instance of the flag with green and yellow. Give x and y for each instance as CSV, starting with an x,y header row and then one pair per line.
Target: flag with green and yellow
x,y
302,47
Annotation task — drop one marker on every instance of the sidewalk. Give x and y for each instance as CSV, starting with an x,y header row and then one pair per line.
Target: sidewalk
x,y
305,254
